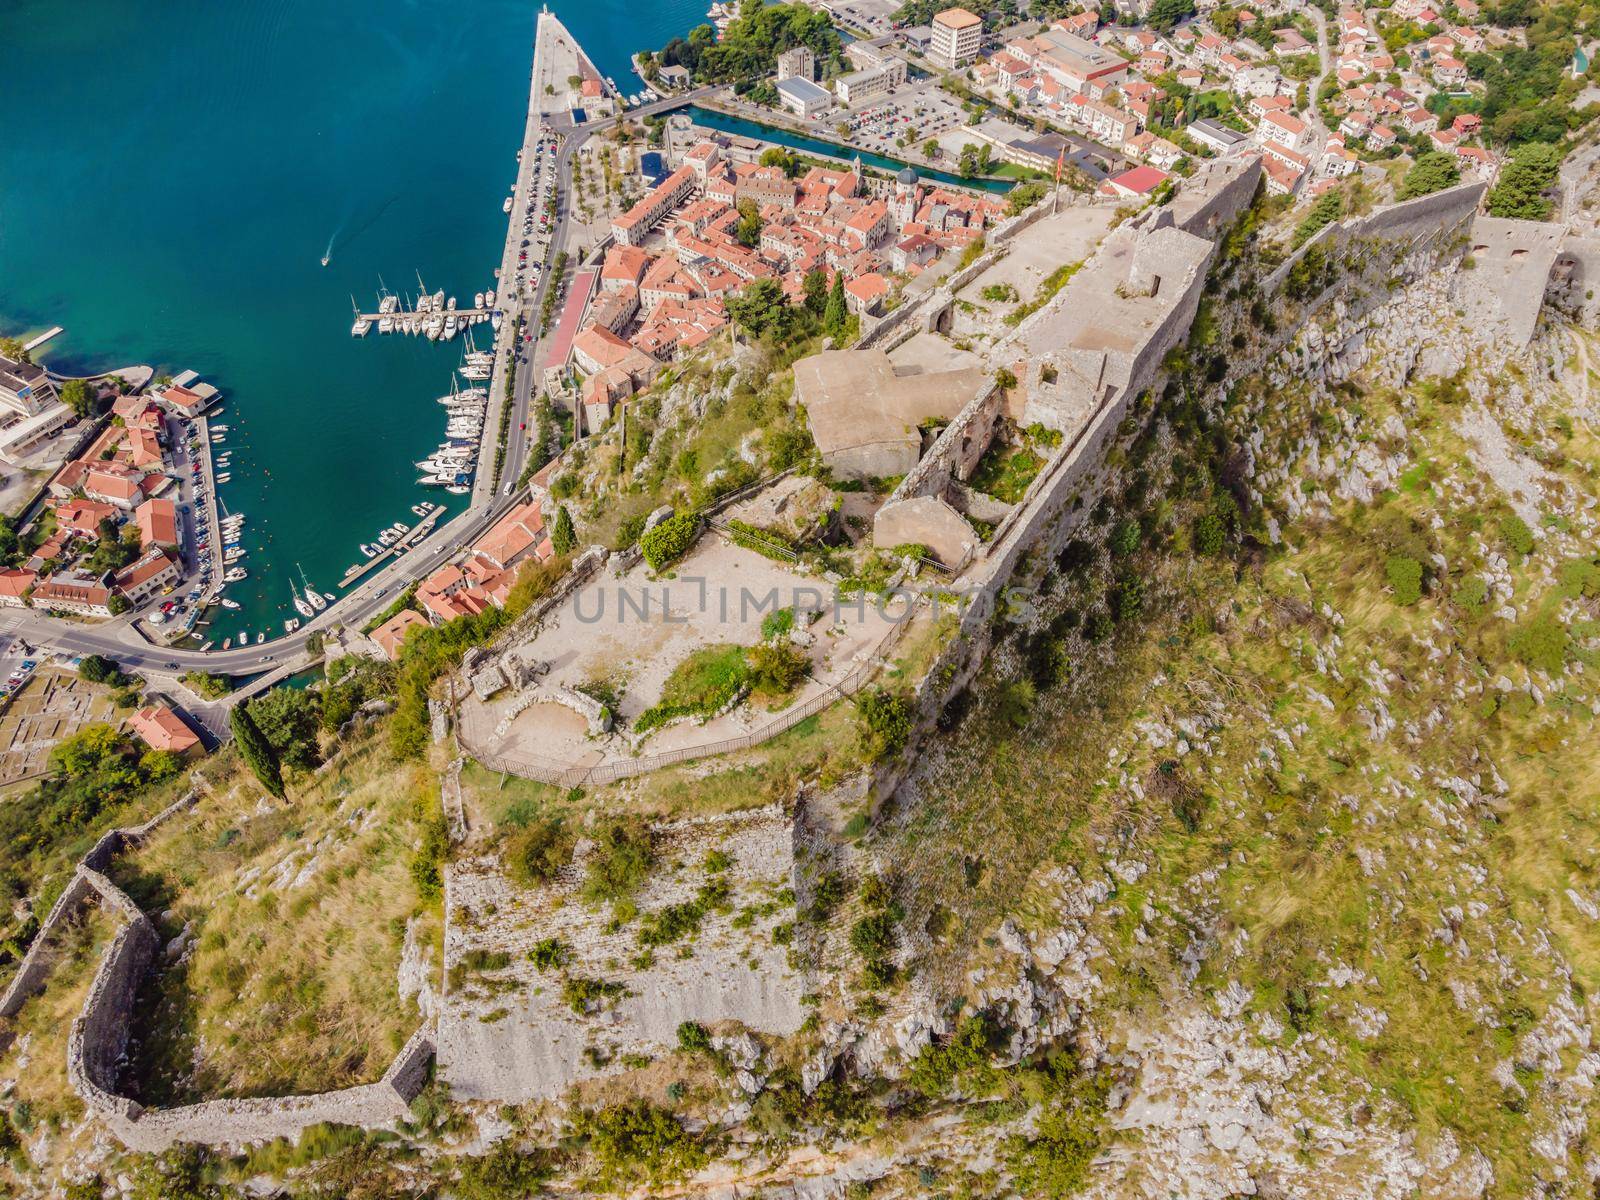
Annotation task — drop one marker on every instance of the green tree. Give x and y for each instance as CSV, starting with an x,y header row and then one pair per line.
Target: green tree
x,y
288,719
77,395
778,156
748,230
1327,209
1165,14
815,286
256,751
562,536
96,668
1523,181
836,312
1433,171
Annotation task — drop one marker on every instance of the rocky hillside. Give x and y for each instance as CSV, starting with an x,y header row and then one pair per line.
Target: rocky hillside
x,y
1282,815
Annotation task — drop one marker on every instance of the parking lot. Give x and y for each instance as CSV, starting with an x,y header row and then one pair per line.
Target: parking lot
x,y
536,219
905,120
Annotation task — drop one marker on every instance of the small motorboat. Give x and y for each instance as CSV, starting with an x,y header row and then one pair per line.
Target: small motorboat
x,y
366,550
227,643
260,637
230,604
291,624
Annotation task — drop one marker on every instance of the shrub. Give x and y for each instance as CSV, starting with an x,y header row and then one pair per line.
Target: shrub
x,y
534,853
937,1068
693,1038
1209,534
1125,538
777,624
1016,702
873,935
777,667
584,995
885,723
507,1172
637,1142
621,860
1127,597
1542,644
1472,592
1405,577
427,864
1517,535
669,541
549,954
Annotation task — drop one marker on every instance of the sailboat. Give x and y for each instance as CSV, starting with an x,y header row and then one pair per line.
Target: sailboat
x,y
300,605
312,598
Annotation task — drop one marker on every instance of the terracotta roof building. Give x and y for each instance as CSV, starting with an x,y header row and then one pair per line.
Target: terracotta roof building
x,y
391,635
160,728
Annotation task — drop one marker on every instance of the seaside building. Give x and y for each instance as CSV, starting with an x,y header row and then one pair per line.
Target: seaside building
x,y
30,408
802,97
633,226
157,520
957,37
143,579
25,388
15,583
858,87
77,593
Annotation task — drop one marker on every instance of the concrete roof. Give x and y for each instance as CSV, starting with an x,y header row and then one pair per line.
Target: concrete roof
x,y
856,398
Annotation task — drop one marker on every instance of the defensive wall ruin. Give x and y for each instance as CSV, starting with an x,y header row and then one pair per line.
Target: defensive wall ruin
x,y
99,1034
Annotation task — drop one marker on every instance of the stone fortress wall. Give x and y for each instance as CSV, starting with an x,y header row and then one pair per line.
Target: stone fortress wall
x,y
99,1035
1370,256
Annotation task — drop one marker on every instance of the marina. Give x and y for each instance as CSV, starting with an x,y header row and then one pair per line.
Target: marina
x,y
398,544
432,315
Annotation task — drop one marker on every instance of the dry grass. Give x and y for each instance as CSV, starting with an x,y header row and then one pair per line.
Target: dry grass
x,y
299,912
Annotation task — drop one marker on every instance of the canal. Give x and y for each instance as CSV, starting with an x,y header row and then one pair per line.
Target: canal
x,y
743,127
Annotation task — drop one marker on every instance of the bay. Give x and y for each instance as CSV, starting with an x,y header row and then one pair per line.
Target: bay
x,y
172,173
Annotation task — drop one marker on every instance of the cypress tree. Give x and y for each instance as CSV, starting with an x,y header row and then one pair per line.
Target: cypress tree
x,y
562,536
836,313
257,752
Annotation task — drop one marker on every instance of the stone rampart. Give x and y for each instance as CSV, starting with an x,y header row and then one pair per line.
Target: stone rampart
x,y
36,964
99,1034
1437,223
1391,245
237,1122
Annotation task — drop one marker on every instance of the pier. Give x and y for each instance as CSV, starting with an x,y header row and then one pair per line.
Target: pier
x,y
413,535
465,318
213,519
53,331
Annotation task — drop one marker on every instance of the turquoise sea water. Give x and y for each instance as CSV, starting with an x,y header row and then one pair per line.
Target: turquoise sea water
x,y
171,173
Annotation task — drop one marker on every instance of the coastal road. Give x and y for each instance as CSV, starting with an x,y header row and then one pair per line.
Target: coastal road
x,y
530,374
